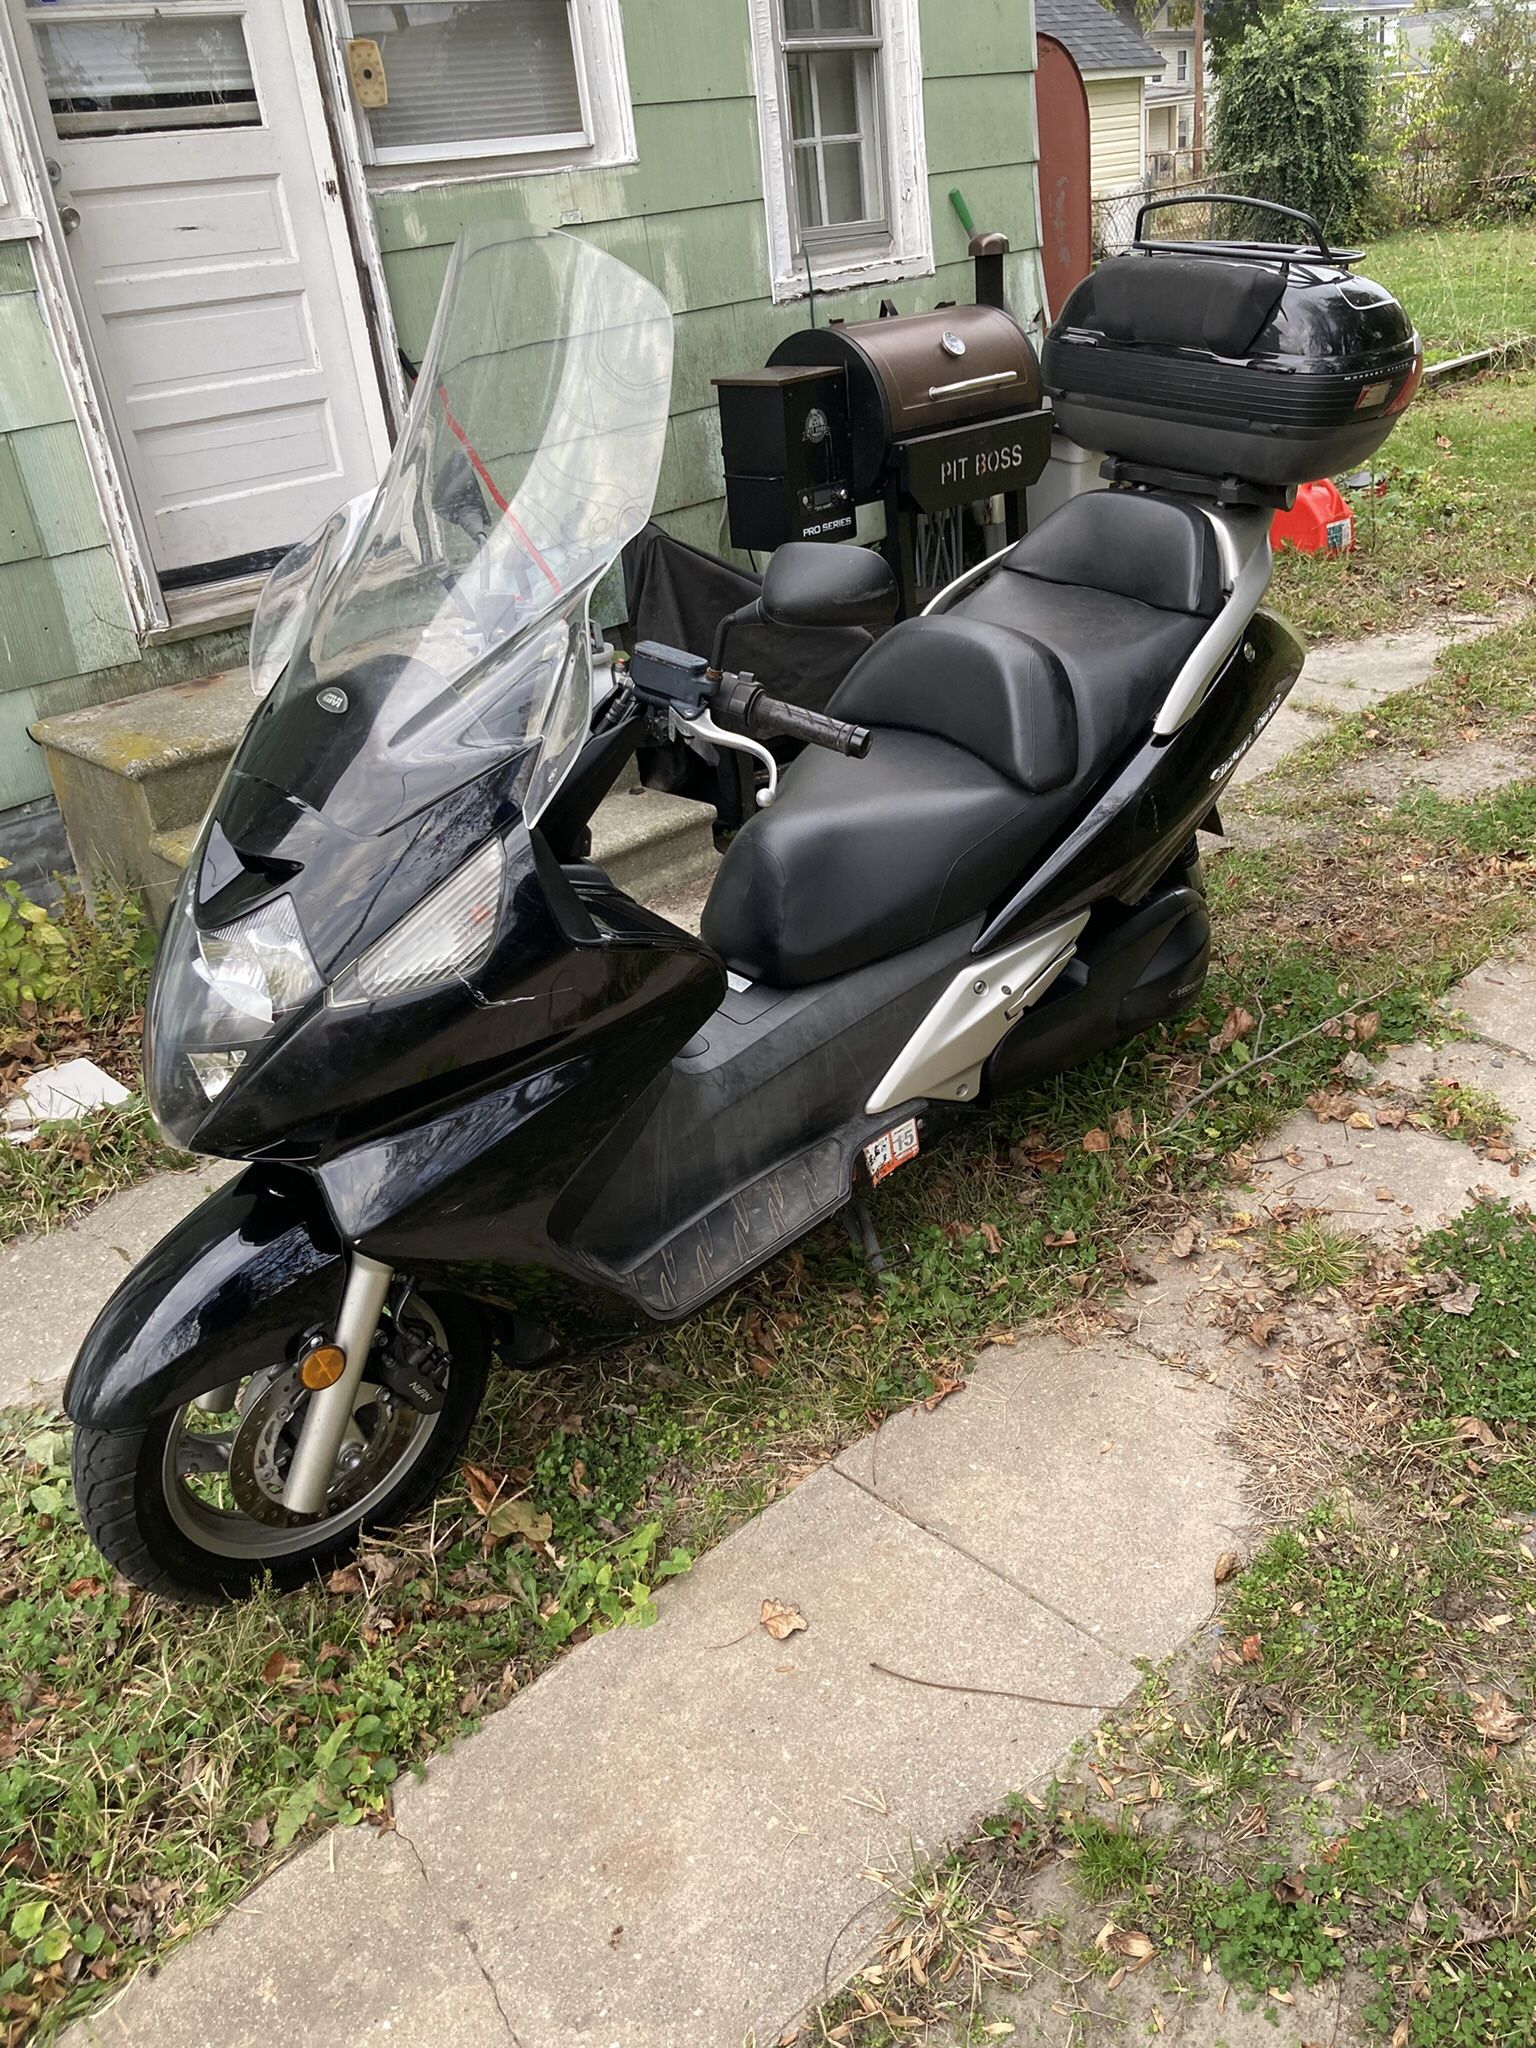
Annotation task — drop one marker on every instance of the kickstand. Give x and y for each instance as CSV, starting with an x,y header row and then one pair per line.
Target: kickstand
x,y
860,1226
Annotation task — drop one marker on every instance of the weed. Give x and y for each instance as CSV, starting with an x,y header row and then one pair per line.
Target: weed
x,y
1482,1363
68,1167
1110,1862
1265,1932
1464,1112
1316,1255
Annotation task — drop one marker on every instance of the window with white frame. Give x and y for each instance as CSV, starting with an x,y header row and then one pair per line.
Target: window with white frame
x,y
839,87
1183,67
475,79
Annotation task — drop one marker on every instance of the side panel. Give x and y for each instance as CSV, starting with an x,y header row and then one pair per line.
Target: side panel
x,y
1154,805
223,1294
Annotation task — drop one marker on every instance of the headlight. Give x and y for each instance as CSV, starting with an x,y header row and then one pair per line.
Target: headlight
x,y
447,935
259,966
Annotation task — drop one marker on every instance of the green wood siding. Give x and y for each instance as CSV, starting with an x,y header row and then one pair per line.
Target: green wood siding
x,y
62,611
689,214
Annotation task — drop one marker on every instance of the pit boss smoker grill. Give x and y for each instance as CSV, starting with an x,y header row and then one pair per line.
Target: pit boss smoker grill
x,y
922,412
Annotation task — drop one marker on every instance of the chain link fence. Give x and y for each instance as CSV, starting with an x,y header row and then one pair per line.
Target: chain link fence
x,y
1114,213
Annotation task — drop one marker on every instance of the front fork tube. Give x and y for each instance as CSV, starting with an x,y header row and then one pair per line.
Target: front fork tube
x,y
329,1413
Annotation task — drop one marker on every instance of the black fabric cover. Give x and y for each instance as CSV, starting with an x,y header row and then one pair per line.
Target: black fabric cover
x,y
1173,301
679,595
859,860
1159,550
996,692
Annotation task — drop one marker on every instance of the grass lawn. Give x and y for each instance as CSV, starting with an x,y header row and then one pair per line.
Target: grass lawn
x,y
152,1763
1464,287
1454,530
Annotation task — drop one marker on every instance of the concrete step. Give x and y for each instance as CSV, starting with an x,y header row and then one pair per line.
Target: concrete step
x,y
141,768
652,845
659,848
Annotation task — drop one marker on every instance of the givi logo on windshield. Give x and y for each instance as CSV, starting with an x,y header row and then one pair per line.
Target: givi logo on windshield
x,y
332,700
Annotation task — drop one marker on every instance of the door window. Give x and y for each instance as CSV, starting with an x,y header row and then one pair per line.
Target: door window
x,y
154,75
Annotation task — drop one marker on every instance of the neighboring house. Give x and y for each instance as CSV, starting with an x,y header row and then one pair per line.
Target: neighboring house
x,y
220,227
1401,34
1171,97
1116,61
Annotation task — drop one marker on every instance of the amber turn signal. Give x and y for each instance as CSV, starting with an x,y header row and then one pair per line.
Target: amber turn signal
x,y
323,1367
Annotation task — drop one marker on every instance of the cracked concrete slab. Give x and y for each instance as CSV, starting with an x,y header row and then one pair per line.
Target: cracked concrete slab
x,y
667,1839
53,1286
314,1958
1498,1000
1376,1183
1092,1477
1470,1063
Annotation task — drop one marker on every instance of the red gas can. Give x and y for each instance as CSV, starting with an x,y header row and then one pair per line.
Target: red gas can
x,y
1319,522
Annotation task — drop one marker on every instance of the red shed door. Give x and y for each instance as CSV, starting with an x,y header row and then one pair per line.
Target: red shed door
x,y
1066,174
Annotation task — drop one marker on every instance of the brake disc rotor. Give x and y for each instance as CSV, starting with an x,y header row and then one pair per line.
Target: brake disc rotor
x,y
264,1441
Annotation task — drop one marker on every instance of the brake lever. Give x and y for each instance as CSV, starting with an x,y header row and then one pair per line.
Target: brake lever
x,y
699,725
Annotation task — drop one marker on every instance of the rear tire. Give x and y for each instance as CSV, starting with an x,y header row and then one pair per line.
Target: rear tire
x,y
120,1489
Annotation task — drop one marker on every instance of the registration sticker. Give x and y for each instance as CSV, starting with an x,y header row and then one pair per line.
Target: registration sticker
x,y
891,1149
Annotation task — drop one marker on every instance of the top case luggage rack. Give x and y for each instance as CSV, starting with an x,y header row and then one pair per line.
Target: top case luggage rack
x,y
1317,251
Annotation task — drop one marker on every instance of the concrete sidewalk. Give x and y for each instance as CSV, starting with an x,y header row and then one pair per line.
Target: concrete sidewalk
x,y
678,1837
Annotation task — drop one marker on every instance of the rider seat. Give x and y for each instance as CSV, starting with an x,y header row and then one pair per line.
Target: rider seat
x,y
991,725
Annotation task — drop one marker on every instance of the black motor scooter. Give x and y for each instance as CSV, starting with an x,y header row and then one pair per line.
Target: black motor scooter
x,y
451,1050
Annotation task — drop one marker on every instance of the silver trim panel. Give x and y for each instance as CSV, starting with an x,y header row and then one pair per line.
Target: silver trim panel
x,y
943,1059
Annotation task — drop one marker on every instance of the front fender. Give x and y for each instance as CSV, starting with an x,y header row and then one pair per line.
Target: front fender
x,y
220,1296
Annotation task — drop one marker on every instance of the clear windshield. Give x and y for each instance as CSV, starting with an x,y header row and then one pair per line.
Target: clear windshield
x,y
453,629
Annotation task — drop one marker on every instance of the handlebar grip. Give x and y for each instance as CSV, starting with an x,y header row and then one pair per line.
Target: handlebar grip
x,y
770,717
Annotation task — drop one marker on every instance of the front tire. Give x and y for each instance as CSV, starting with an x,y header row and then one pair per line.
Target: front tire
x,y
186,1550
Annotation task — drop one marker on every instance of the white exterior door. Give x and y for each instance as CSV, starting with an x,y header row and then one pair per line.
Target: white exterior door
x,y
191,167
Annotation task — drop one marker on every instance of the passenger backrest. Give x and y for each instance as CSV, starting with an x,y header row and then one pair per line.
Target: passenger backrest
x,y
1159,550
997,693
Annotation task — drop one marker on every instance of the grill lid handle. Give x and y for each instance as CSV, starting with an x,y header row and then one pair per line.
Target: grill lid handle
x,y
992,381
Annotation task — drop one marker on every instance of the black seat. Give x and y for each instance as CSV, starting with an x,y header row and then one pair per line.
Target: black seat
x,y
992,722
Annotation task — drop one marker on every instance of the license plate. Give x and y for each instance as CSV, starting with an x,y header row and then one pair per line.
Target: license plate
x,y
891,1149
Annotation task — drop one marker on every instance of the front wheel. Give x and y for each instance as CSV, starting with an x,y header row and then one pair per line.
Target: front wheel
x,y
190,1503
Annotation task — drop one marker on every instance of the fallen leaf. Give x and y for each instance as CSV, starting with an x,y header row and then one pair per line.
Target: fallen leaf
x,y
1120,1124
1359,1120
944,1384
1469,1430
991,1236
518,1519
1494,1716
1182,1242
1367,1024
1253,1649
1096,1141
484,1487
345,1579
484,1603
1291,1890
1262,1328
1062,1238
1226,1565
279,1666
1463,1302
1237,1023
781,1620
258,1834
82,1589
1135,1947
